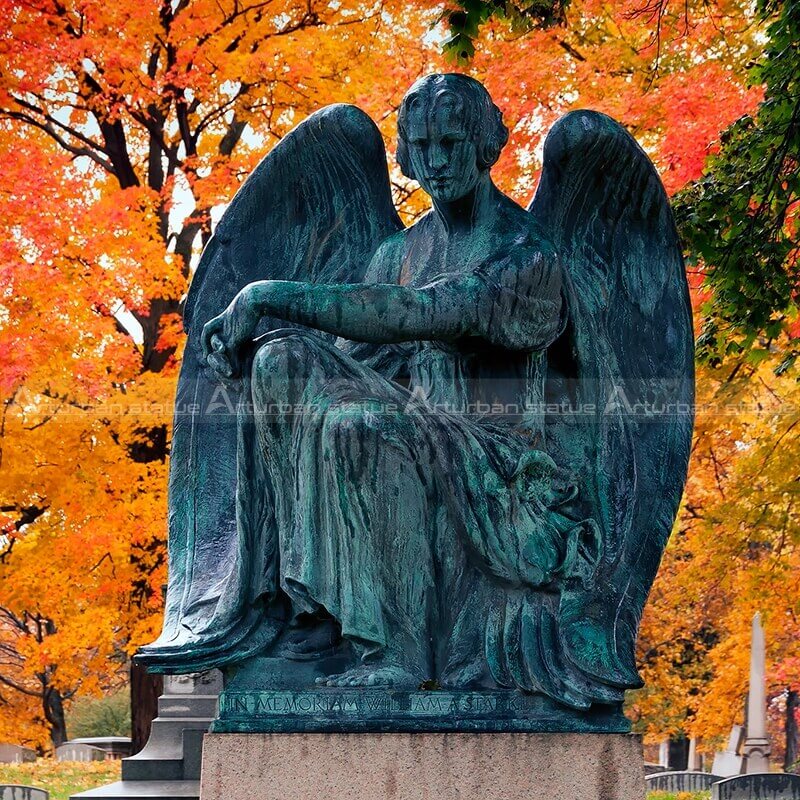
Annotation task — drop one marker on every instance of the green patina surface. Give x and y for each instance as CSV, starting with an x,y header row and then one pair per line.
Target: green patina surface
x,y
422,468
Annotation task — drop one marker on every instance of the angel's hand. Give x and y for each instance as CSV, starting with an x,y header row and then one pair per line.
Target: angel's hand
x,y
223,336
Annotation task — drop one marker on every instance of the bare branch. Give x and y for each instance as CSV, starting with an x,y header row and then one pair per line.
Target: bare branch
x,y
51,132
17,687
57,123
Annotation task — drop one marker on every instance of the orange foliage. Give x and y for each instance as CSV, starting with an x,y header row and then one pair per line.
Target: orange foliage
x,y
735,551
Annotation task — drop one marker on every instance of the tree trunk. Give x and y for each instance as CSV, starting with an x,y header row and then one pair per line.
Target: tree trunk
x,y
153,359
145,691
792,734
54,714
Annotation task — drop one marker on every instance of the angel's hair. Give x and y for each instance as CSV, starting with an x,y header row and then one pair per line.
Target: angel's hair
x,y
482,118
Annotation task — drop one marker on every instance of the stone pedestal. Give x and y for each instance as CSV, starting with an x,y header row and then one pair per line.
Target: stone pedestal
x,y
422,766
168,767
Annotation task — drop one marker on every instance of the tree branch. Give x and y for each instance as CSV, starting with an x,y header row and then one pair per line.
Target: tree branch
x,y
63,143
18,687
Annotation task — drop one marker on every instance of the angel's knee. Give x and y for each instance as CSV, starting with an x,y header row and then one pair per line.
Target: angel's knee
x,y
287,356
280,368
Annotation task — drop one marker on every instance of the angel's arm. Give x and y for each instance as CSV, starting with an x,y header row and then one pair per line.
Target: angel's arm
x,y
378,313
513,304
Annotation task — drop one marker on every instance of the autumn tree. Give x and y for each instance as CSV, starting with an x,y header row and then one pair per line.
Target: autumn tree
x,y
128,126
734,553
734,550
740,220
122,146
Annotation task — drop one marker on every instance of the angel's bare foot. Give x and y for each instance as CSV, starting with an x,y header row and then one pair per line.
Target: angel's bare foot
x,y
378,674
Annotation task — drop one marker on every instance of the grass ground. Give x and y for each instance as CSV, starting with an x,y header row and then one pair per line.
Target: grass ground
x,y
61,778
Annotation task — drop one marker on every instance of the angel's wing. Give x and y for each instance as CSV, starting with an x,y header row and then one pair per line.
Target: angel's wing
x,y
315,209
625,364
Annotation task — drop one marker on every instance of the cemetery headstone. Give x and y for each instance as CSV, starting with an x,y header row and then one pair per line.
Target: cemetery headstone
x,y
693,760
76,751
15,754
169,764
113,746
678,754
663,753
728,762
185,711
754,786
680,781
17,792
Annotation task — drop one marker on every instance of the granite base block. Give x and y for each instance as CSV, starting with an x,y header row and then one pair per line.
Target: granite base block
x,y
422,766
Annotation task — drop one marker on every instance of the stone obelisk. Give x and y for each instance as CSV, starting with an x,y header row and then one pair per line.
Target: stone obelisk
x,y
756,748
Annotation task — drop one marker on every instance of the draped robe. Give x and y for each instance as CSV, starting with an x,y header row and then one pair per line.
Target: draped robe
x,y
408,490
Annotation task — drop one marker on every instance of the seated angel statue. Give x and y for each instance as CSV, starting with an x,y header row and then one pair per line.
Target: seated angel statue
x,y
428,464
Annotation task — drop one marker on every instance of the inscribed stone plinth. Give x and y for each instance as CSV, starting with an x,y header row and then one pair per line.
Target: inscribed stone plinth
x,y
328,710
422,767
758,786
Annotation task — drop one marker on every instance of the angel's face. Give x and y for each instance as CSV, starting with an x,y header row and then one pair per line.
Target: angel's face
x,y
442,152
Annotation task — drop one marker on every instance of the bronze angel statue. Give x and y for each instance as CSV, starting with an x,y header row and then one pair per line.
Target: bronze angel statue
x,y
444,456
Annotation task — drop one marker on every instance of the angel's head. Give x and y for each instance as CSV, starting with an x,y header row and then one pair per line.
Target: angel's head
x,y
449,134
